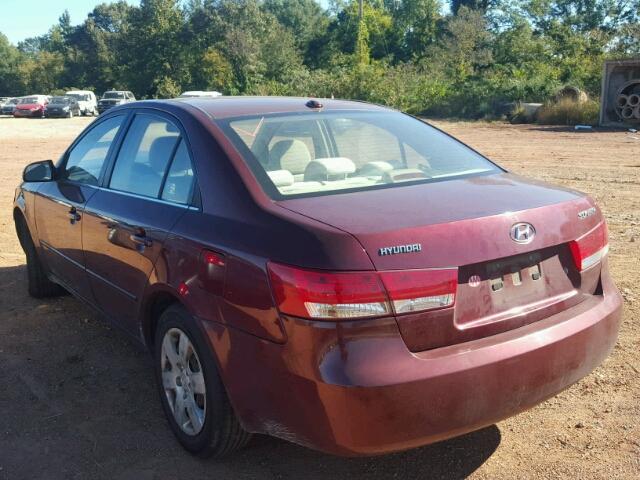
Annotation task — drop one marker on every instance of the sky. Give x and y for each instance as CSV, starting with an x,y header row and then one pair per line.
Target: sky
x,y
20,19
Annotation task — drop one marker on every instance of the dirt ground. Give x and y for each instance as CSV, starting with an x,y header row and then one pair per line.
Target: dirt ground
x,y
77,399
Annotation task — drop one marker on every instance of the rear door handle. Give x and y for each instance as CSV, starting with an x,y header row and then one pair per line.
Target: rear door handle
x,y
74,216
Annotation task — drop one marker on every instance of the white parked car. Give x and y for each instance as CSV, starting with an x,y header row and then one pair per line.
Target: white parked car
x,y
87,101
199,93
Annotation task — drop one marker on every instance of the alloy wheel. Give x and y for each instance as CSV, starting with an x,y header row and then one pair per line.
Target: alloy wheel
x,y
183,381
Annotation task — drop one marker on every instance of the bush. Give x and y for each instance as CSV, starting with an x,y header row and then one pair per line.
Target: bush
x,y
569,112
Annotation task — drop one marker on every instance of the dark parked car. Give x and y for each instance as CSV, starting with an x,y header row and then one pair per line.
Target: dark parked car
x,y
113,98
337,274
62,107
9,106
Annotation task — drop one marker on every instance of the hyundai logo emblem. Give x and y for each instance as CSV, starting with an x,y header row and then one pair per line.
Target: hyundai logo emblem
x,y
522,232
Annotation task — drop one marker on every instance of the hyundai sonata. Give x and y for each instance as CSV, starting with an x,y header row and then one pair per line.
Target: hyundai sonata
x,y
333,273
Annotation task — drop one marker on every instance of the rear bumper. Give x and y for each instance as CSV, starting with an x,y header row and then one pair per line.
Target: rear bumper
x,y
355,389
56,114
28,113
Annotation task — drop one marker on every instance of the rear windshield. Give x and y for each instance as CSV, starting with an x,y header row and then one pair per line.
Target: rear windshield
x,y
324,153
78,96
63,100
113,95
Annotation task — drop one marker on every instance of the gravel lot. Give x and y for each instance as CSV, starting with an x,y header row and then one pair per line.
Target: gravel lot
x,y
77,399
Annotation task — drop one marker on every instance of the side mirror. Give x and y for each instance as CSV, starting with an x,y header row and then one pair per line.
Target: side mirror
x,y
39,171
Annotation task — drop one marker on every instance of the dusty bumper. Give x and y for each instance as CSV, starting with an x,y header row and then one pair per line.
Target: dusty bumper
x,y
355,389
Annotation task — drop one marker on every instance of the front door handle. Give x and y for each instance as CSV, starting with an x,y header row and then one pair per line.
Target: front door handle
x,y
140,239
74,216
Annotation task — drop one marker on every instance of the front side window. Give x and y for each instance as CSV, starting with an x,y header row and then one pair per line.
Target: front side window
x,y
86,159
319,153
144,156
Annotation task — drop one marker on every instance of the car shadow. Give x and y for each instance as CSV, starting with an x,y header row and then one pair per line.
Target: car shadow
x,y
451,459
79,401
572,129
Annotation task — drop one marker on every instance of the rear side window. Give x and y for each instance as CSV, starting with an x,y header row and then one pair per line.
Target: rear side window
x,y
86,158
179,182
145,155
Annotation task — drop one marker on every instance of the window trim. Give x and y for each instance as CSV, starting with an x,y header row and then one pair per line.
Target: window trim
x,y
165,116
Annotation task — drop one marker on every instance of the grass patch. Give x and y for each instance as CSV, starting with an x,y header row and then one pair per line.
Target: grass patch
x,y
569,112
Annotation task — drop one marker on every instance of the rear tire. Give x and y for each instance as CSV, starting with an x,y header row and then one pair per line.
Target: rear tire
x,y
39,285
203,421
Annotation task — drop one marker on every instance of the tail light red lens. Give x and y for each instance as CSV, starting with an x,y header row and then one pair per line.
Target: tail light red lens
x,y
589,249
329,295
352,295
418,290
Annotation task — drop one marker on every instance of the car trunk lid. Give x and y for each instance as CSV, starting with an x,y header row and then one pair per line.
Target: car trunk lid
x,y
466,224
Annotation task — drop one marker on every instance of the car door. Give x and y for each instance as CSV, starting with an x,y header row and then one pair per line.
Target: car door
x,y
59,205
127,221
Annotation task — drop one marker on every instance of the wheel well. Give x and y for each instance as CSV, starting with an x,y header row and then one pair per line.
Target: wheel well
x,y
155,306
22,230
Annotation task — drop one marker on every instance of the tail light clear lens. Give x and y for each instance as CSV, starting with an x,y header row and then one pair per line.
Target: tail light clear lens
x,y
589,249
351,295
418,290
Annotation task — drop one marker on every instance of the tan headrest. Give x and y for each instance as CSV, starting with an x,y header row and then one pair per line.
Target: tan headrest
x,y
292,155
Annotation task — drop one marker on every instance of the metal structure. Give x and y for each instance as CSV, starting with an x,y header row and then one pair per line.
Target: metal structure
x,y
620,96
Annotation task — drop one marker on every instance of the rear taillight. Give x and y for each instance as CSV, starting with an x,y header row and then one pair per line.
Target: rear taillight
x,y
317,294
351,295
589,249
418,290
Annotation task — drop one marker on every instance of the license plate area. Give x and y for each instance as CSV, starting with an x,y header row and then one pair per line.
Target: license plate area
x,y
501,289
514,271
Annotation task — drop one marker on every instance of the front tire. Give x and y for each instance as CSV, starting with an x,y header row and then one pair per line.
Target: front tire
x,y
191,392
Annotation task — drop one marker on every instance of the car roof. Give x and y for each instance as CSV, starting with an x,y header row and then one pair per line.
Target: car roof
x,y
225,107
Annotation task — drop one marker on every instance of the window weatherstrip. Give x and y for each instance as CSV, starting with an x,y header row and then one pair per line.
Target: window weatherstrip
x,y
151,199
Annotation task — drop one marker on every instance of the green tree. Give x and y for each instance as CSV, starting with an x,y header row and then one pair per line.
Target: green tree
x,y
415,27
305,19
9,60
152,48
378,23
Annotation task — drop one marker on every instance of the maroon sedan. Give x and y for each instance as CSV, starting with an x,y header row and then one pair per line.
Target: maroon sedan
x,y
333,273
